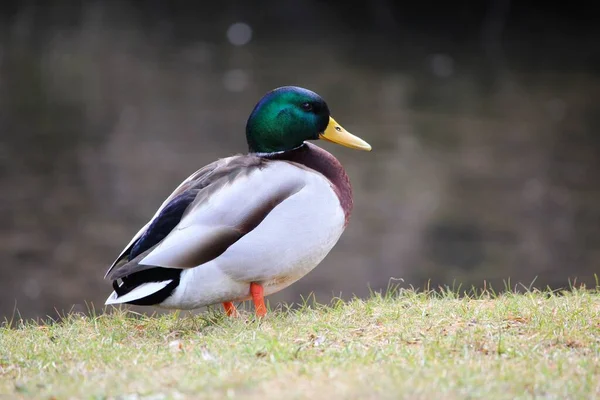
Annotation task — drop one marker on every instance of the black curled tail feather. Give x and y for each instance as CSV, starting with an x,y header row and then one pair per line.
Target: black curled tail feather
x,y
156,274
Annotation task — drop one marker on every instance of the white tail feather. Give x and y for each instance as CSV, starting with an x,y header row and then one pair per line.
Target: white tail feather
x,y
139,292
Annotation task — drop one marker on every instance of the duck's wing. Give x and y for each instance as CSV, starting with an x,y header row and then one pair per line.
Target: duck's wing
x,y
205,215
149,234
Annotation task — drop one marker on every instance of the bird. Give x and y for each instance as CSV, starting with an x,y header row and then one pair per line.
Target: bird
x,y
249,225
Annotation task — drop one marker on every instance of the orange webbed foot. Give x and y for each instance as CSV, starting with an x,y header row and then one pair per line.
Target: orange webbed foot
x,y
230,309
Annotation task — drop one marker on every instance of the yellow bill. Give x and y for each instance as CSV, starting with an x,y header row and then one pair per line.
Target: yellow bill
x,y
336,134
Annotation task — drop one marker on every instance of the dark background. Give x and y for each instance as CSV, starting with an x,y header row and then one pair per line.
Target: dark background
x,y
483,117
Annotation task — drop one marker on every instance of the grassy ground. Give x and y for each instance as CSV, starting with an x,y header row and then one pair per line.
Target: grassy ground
x,y
407,345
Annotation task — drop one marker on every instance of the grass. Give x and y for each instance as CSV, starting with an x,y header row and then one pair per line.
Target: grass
x,y
402,345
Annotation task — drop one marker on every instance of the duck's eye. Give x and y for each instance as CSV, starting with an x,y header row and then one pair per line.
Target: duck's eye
x,y
307,107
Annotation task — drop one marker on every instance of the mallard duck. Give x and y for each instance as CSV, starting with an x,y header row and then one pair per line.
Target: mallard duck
x,y
245,226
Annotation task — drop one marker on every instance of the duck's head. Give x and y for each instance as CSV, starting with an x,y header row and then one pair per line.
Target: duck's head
x,y
285,117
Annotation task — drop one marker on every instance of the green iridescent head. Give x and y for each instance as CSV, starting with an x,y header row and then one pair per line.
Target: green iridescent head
x,y
285,117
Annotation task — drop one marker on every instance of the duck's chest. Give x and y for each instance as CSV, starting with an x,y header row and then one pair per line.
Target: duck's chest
x,y
322,162
294,237
299,244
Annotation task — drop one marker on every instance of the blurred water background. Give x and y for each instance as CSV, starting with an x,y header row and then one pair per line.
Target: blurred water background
x,y
483,116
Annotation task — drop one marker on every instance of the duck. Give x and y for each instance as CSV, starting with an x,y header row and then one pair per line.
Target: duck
x,y
249,225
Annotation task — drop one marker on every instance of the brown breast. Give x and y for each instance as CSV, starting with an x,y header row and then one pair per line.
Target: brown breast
x,y
317,159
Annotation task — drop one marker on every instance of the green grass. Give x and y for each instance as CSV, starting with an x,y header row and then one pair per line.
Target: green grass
x,y
406,345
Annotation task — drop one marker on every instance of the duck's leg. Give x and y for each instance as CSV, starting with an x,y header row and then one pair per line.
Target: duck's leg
x,y
230,309
257,293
